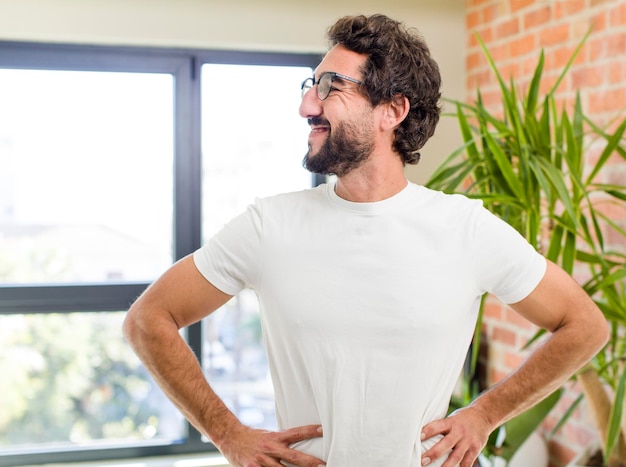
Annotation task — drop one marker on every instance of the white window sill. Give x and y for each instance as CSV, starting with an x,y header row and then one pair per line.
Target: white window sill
x,y
189,460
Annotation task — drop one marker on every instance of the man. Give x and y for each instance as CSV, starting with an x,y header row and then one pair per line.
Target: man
x,y
369,286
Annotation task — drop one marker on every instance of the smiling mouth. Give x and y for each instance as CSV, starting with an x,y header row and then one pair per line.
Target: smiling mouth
x,y
318,126
319,129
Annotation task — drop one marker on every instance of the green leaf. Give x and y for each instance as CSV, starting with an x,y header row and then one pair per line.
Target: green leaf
x,y
615,418
556,244
570,62
568,413
613,142
569,253
535,84
511,184
556,179
521,427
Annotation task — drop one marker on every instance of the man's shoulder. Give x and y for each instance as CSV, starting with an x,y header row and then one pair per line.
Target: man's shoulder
x,y
293,197
439,200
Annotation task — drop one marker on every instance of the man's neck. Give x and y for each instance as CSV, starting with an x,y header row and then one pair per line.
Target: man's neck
x,y
368,183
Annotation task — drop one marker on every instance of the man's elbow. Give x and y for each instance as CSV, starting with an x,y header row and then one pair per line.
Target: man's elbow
x,y
131,326
594,334
603,334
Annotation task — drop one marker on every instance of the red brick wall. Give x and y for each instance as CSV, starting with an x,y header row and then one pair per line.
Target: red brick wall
x,y
514,32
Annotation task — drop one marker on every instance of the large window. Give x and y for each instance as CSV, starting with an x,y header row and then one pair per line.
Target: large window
x,y
251,147
114,163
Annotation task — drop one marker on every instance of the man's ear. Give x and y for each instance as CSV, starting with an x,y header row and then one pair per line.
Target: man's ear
x,y
396,111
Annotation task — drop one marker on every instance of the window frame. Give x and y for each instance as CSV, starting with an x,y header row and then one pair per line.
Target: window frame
x,y
185,67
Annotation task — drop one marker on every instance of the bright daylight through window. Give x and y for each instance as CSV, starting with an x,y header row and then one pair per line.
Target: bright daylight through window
x,y
249,150
86,162
93,207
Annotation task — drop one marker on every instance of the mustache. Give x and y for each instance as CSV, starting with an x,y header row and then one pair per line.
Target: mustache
x,y
318,121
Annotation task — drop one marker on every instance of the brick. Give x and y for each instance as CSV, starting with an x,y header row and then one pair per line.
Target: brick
x,y
557,58
475,3
507,28
599,21
499,53
492,99
488,14
529,65
496,376
474,60
616,212
486,35
493,11
484,79
595,3
473,20
616,45
517,5
554,35
547,82
537,17
510,70
581,436
523,45
618,15
588,77
611,46
517,320
563,8
505,336
493,310
513,359
617,72
607,101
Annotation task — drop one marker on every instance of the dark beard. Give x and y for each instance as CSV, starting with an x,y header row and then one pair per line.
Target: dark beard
x,y
342,152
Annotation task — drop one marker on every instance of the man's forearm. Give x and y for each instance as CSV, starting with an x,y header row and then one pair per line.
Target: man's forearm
x,y
175,368
543,372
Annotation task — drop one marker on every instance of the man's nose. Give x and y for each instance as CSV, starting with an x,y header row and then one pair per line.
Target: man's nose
x,y
310,106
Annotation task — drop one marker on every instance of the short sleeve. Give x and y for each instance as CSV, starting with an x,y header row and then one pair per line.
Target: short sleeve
x,y
231,260
508,266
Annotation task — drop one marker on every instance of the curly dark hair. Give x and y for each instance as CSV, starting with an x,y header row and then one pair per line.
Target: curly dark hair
x,y
398,63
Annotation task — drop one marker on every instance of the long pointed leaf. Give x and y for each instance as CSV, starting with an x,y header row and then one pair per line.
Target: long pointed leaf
x,y
615,417
612,143
504,164
521,427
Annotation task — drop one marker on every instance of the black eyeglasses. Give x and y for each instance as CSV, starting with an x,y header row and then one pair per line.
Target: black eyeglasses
x,y
325,83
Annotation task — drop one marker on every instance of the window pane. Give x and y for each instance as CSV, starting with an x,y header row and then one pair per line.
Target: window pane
x,y
253,145
71,380
253,140
86,165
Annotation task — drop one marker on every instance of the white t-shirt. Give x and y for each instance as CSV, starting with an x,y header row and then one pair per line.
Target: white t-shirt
x,y
368,309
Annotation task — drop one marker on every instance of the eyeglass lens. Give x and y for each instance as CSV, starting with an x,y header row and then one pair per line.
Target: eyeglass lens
x,y
324,85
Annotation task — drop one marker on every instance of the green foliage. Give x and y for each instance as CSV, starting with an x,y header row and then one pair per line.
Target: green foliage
x,y
528,163
516,431
71,378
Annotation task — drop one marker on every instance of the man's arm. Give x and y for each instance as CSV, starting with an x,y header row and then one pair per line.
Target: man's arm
x,y
182,296
579,330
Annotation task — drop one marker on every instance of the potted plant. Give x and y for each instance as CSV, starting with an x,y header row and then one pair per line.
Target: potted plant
x,y
526,162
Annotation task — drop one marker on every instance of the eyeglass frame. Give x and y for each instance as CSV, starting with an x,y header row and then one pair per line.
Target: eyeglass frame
x,y
304,87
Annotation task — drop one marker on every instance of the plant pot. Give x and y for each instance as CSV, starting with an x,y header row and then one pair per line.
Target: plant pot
x,y
534,452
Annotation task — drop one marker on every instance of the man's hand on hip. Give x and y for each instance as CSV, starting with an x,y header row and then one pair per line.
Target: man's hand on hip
x,y
465,434
249,447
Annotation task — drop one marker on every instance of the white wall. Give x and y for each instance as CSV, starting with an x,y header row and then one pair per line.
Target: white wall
x,y
267,25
